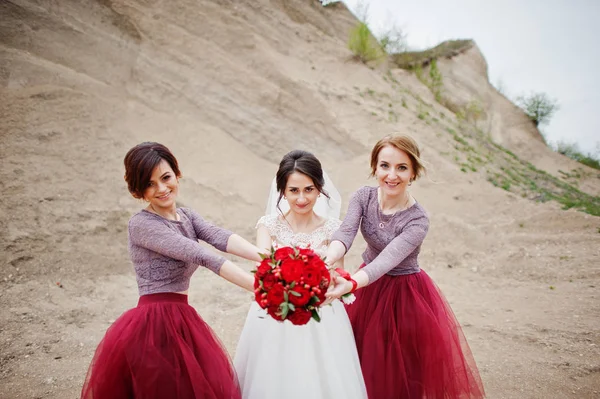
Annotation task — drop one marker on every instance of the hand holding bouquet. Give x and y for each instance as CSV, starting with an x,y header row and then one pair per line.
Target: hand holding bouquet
x,y
291,284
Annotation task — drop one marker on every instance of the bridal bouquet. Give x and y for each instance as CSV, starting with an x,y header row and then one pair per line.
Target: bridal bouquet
x,y
290,284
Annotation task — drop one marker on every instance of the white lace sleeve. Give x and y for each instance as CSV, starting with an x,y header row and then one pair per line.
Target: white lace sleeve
x,y
331,226
269,222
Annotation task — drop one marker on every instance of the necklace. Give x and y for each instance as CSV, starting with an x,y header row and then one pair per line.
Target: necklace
x,y
381,215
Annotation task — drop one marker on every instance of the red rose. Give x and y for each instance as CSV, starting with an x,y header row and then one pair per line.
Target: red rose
x,y
325,278
269,281
291,269
275,294
306,251
316,261
301,300
273,310
283,253
263,269
312,273
259,298
299,316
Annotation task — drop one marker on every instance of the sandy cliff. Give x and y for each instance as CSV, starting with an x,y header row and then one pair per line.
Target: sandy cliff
x,y
230,86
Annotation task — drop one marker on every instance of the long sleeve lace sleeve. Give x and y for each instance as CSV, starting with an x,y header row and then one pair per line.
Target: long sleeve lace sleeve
x,y
206,231
160,238
347,231
398,249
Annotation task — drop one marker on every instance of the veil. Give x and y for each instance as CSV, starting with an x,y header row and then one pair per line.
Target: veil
x,y
324,207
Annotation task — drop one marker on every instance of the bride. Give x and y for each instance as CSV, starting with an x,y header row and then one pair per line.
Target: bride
x,y
316,360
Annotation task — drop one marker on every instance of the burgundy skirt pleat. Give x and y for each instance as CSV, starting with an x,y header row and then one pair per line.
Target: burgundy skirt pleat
x,y
160,349
409,342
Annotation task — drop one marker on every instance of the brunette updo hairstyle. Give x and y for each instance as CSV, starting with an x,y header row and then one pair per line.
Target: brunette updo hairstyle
x,y
302,162
403,143
141,160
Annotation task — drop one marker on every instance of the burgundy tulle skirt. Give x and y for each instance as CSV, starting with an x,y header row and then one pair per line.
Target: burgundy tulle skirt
x,y
160,349
409,342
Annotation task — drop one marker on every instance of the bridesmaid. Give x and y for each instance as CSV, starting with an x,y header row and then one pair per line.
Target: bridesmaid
x,y
409,342
162,348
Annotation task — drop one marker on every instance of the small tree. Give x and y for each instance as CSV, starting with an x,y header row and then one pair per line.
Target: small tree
x,y
361,10
539,107
393,40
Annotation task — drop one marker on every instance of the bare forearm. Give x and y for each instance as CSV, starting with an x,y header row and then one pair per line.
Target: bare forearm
x,y
263,239
361,278
339,263
335,252
236,275
236,245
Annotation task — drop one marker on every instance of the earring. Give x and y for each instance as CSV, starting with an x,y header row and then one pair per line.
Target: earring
x,y
284,197
410,182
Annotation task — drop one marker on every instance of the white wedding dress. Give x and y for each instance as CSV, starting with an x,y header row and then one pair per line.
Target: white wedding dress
x,y
278,360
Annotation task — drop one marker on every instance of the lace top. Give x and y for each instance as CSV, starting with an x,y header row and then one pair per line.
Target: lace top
x,y
165,253
393,241
282,235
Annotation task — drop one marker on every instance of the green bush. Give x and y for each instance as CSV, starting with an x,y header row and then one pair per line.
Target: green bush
x,y
474,111
435,80
362,44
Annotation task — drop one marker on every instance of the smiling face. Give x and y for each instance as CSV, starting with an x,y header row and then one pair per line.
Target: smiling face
x,y
394,170
163,187
301,193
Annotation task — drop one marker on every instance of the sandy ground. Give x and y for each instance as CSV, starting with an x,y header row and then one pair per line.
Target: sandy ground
x,y
230,87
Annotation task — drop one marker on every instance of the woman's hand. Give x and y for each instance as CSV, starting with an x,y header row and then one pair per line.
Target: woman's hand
x,y
339,287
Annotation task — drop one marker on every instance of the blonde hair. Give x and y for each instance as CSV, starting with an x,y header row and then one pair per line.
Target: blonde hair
x,y
403,143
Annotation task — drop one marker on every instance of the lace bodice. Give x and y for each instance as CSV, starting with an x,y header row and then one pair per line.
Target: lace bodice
x,y
165,253
282,235
393,241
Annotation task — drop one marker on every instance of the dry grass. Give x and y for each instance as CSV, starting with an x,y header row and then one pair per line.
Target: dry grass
x,y
413,59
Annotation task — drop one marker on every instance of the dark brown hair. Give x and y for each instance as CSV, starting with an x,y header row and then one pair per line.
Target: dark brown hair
x,y
303,162
403,143
141,160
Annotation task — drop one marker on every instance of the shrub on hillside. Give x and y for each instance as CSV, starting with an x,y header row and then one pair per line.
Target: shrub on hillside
x,y
435,80
362,43
539,107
